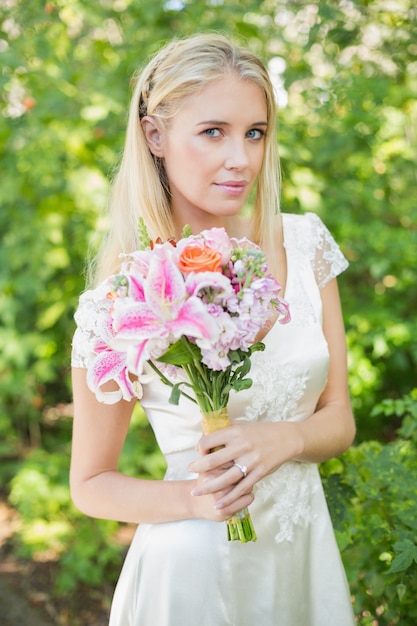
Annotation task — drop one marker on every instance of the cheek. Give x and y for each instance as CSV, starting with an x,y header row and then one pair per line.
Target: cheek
x,y
188,156
197,151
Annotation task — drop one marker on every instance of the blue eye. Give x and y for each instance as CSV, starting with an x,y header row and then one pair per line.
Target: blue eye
x,y
255,133
212,132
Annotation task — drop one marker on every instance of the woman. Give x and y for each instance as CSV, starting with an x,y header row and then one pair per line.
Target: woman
x,y
200,137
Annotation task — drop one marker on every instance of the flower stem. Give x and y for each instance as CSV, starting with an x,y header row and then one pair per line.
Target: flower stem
x,y
166,381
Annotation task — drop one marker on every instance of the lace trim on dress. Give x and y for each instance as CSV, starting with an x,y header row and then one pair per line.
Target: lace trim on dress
x,y
311,251
92,309
325,255
289,490
276,393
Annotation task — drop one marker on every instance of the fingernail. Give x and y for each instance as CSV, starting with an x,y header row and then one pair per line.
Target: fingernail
x,y
196,492
219,505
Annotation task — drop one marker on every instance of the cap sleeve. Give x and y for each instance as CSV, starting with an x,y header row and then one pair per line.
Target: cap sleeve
x,y
93,308
326,257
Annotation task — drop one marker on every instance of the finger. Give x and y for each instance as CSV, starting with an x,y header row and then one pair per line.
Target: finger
x,y
227,510
216,482
216,439
242,468
241,487
221,459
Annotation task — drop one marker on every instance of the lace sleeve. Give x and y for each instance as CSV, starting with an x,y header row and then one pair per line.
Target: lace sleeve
x,y
326,257
92,309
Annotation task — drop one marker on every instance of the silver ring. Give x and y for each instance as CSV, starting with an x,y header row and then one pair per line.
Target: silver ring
x,y
242,468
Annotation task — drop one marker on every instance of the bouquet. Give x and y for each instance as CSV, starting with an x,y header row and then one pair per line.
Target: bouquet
x,y
196,304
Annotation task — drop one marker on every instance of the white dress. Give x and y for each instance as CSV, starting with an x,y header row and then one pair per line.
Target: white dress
x,y
186,573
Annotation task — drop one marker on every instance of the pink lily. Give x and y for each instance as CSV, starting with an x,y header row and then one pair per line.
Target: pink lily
x,y
167,311
110,365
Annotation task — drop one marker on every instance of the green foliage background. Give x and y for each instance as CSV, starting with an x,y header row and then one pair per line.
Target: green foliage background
x,y
346,75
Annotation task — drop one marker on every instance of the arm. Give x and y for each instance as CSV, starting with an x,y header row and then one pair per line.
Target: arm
x,y
331,429
98,489
263,447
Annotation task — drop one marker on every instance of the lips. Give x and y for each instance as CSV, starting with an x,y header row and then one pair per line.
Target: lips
x,y
232,187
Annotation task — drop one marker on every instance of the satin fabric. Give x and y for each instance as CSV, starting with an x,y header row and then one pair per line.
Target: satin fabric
x,y
186,573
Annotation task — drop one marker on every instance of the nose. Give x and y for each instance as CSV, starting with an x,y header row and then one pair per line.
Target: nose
x,y
237,157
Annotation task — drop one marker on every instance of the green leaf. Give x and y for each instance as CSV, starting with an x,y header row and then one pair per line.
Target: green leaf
x,y
235,356
241,384
178,354
259,346
174,398
245,367
405,555
401,591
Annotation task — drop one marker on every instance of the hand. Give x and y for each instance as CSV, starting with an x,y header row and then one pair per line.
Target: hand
x,y
260,447
212,505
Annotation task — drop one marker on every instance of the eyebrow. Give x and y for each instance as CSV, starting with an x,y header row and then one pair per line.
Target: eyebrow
x,y
222,123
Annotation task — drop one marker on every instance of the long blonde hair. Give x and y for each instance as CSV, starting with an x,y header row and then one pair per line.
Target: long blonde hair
x,y
178,70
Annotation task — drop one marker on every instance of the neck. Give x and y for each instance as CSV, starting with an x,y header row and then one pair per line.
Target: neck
x,y
235,226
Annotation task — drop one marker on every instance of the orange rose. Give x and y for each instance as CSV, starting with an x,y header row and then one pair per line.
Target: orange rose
x,y
196,259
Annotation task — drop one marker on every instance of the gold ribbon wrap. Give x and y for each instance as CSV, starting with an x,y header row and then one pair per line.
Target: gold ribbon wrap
x,y
215,420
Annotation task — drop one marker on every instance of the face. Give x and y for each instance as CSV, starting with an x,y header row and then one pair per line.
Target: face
x,y
213,150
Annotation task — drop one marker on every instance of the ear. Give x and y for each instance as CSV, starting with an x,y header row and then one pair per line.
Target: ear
x,y
153,135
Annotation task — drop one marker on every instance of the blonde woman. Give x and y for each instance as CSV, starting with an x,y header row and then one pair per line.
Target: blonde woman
x,y
200,138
